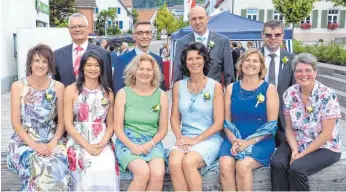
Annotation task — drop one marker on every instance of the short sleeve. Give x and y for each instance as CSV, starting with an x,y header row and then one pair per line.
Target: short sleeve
x,y
287,103
330,108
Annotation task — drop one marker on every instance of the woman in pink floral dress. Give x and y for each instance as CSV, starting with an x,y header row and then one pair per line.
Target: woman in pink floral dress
x,y
89,122
312,129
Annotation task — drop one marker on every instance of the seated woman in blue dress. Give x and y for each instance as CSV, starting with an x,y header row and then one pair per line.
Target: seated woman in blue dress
x,y
198,106
251,111
312,129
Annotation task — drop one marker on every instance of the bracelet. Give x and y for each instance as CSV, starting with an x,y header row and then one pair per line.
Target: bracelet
x,y
256,139
152,143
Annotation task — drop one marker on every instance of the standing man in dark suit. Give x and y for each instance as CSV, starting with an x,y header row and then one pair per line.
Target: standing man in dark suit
x,y
124,48
143,34
279,67
67,59
218,45
235,55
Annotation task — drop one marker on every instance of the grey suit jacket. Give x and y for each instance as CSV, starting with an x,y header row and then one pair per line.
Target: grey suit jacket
x,y
64,64
286,80
221,57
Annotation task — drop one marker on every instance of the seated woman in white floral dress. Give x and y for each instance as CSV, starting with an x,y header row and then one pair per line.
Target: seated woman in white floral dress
x,y
89,122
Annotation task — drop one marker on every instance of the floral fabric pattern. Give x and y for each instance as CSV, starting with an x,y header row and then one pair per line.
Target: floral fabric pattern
x,y
37,173
307,119
92,173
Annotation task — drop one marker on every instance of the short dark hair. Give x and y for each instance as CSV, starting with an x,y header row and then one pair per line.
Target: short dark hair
x,y
41,50
273,24
234,44
202,50
141,22
81,79
111,48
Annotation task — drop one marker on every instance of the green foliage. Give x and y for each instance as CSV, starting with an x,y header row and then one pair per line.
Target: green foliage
x,y
165,20
180,23
294,10
113,30
129,31
338,2
158,3
327,53
102,17
59,11
135,15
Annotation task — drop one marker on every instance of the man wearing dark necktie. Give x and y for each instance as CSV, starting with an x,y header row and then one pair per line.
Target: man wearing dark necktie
x,y
278,63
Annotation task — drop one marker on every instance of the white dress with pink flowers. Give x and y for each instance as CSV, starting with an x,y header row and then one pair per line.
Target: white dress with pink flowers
x,y
92,173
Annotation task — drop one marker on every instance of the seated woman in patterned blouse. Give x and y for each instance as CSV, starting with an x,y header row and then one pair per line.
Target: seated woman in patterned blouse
x,y
312,129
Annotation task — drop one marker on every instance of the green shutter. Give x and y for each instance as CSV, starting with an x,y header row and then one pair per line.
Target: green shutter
x,y
270,13
261,15
314,18
243,12
324,18
342,18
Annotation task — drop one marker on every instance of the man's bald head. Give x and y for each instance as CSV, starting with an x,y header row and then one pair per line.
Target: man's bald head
x,y
198,19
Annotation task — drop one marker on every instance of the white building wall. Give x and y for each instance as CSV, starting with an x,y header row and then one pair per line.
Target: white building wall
x,y
15,14
123,16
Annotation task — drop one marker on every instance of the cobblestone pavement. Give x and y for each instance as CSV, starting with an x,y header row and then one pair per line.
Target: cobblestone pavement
x,y
7,131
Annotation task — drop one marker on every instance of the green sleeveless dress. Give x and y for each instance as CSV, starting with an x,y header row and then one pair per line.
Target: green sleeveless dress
x,y
141,123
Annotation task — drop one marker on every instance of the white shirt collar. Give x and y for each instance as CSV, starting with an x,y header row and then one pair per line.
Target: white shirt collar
x,y
267,52
205,35
83,45
138,51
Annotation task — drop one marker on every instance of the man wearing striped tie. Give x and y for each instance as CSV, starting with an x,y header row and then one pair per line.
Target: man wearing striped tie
x,y
218,45
67,59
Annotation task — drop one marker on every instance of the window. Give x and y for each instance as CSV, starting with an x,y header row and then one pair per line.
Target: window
x,y
278,16
118,12
333,16
252,14
96,10
120,24
306,20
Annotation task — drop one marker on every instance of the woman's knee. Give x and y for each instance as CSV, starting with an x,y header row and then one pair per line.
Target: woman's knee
x,y
296,168
189,163
141,173
227,166
243,168
157,174
278,162
175,162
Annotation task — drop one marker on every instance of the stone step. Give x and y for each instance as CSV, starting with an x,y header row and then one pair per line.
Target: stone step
x,y
333,82
341,97
328,69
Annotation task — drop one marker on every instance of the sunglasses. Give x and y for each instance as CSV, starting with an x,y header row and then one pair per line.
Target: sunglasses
x,y
277,35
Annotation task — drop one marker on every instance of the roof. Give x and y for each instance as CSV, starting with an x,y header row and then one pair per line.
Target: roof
x,y
127,10
85,3
145,15
127,3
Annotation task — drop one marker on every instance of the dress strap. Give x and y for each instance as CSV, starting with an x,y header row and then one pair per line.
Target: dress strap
x,y
25,81
52,83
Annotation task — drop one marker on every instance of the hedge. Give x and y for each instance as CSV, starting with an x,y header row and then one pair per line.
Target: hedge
x,y
326,53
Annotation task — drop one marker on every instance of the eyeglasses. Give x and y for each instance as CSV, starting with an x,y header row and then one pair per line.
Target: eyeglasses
x,y
74,27
277,35
141,33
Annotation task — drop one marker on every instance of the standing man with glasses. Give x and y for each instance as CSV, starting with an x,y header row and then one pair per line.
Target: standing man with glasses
x,y
143,34
217,44
67,59
279,68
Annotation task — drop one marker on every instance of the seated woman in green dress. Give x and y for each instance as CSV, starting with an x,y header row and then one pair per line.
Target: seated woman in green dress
x,y
140,124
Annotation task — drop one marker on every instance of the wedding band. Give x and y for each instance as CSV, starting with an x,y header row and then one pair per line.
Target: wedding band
x,y
240,143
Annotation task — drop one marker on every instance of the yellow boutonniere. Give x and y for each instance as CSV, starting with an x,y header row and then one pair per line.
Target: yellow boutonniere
x,y
155,108
309,109
49,96
104,101
211,44
284,60
260,99
206,96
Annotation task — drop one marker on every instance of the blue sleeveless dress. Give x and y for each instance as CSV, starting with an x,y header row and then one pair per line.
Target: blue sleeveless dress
x,y
247,118
196,115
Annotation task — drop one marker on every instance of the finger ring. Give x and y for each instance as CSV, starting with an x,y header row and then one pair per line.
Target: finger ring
x,y
240,143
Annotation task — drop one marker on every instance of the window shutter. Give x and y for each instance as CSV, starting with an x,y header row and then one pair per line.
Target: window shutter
x,y
342,18
243,12
261,15
314,18
324,18
270,14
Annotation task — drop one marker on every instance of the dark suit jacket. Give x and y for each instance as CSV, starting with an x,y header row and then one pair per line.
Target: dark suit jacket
x,y
64,64
221,57
286,79
120,64
235,55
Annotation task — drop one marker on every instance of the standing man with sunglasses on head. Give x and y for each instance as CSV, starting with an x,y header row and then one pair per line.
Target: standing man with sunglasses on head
x,y
143,34
67,59
279,67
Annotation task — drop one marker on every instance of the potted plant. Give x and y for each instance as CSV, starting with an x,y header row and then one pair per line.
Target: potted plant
x,y
305,25
333,26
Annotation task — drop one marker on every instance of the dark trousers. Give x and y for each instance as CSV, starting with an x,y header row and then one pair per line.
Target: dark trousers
x,y
294,177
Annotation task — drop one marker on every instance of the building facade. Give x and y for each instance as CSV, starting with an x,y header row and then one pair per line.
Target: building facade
x,y
124,18
86,7
16,14
325,21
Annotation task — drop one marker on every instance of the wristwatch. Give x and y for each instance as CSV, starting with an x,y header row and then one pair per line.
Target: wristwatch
x,y
256,139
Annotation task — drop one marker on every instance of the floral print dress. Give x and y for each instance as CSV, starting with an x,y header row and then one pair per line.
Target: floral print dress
x,y
92,173
39,173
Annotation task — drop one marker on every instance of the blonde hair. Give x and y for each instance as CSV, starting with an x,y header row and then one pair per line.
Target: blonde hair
x,y
263,69
130,70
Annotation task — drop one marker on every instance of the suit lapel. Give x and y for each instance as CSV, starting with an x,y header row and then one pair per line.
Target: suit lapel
x,y
281,74
68,54
192,38
211,37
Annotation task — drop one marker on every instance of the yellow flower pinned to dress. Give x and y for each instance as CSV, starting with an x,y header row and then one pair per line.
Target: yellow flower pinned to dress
x,y
284,60
309,109
104,101
260,99
49,96
206,96
155,108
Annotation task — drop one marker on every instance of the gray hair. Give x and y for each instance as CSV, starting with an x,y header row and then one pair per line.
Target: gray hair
x,y
74,15
305,58
273,24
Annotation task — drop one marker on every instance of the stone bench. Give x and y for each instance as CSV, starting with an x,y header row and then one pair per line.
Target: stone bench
x,y
333,178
